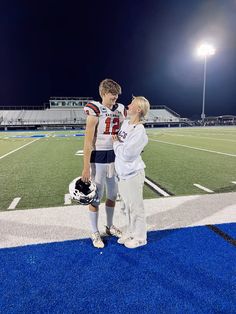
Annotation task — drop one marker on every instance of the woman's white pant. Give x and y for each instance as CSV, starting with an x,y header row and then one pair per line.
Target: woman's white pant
x,y
131,191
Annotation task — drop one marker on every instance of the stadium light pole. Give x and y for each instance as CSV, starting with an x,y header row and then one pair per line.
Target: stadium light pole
x,y
205,50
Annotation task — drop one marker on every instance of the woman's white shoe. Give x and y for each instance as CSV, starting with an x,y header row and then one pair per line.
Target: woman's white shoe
x,y
132,243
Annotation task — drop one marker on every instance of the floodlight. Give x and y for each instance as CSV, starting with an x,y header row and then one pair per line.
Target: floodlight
x,y
205,50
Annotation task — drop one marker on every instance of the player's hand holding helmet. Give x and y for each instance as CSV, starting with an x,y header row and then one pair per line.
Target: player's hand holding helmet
x,y
82,192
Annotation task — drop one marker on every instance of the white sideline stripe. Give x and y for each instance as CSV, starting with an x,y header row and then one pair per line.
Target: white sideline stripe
x,y
67,199
196,148
15,150
203,188
234,182
56,224
157,188
14,203
63,223
79,153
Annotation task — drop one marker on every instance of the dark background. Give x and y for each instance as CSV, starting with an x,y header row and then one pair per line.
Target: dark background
x,y
65,48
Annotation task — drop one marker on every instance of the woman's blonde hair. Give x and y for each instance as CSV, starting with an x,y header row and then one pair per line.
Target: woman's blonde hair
x,y
143,104
109,86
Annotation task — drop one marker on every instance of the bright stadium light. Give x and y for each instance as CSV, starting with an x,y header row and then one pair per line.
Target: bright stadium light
x,y
205,50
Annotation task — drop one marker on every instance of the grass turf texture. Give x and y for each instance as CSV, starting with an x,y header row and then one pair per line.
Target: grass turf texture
x,y
40,172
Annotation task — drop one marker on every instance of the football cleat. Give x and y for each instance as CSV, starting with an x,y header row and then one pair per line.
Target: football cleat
x,y
82,192
97,240
113,231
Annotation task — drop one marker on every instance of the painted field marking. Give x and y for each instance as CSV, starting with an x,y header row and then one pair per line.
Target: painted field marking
x,y
67,199
15,150
203,188
156,188
234,182
203,137
196,148
79,153
14,203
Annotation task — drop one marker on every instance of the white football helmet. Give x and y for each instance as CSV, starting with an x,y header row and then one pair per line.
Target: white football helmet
x,y
82,192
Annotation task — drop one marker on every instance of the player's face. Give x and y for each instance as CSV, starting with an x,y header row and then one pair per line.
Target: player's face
x,y
110,99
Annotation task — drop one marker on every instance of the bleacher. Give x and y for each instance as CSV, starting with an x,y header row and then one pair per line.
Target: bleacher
x,y
63,116
74,116
162,115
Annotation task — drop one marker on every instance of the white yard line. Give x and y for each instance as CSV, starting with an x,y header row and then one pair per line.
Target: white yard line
x,y
14,203
234,182
196,148
79,153
156,188
203,188
15,150
67,199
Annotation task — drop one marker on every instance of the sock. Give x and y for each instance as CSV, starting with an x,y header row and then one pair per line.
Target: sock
x,y
93,217
110,213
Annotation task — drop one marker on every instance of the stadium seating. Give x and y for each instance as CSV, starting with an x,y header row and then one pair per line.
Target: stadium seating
x,y
162,115
74,116
42,117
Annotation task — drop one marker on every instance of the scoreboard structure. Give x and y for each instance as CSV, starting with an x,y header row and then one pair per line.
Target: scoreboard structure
x,y
68,102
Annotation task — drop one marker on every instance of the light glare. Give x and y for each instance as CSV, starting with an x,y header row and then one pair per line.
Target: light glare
x,y
205,50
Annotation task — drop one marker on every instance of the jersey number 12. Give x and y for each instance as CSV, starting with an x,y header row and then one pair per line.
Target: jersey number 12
x,y
112,125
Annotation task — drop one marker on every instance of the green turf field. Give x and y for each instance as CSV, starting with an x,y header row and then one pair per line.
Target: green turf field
x,y
40,171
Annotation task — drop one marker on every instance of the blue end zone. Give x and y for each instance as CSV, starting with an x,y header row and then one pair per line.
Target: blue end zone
x,y
29,136
45,135
229,229
188,270
38,135
68,135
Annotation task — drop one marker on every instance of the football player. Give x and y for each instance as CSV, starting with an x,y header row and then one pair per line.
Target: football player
x,y
103,121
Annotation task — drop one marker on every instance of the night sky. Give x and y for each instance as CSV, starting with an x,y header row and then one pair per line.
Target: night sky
x,y
65,48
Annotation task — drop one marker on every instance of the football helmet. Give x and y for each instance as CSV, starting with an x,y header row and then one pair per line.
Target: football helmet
x,y
82,192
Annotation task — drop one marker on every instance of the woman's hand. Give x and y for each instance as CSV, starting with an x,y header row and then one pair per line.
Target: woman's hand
x,y
115,138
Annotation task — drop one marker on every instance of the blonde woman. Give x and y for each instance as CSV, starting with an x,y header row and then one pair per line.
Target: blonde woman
x,y
128,145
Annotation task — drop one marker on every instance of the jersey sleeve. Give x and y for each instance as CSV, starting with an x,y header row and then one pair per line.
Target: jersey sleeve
x,y
123,111
92,110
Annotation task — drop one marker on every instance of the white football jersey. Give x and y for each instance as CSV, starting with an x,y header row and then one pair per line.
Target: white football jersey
x,y
109,121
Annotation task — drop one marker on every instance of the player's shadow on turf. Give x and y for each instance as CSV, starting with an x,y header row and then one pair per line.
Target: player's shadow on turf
x,y
191,212
225,189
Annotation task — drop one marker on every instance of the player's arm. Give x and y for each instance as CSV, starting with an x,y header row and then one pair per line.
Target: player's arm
x,y
88,145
